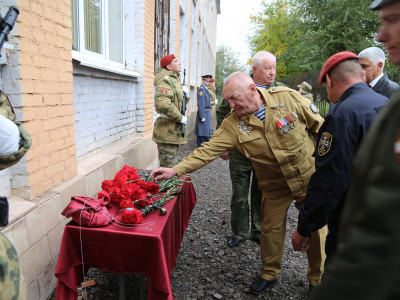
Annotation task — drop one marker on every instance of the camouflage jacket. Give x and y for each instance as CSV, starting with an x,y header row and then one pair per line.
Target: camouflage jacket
x,y
212,96
11,284
168,103
309,96
7,111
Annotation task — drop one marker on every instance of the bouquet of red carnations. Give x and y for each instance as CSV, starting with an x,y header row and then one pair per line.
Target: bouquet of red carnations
x,y
137,194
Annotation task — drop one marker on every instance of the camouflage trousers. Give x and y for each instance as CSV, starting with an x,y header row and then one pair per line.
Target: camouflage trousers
x,y
242,175
11,284
167,154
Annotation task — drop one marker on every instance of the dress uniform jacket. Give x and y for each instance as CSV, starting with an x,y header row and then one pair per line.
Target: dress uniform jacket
x,y
385,86
168,103
274,155
338,140
203,112
367,263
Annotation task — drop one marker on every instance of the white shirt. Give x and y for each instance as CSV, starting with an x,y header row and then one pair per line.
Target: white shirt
x,y
373,82
9,136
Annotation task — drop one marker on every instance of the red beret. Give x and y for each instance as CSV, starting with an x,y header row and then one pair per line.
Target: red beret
x,y
166,60
333,61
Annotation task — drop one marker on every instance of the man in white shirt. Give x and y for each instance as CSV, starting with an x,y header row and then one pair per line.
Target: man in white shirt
x,y
372,61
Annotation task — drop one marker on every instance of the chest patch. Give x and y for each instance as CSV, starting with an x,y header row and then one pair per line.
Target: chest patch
x,y
324,144
397,147
164,91
201,93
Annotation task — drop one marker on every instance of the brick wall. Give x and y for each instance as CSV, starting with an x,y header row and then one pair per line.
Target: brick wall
x,y
105,109
148,78
44,28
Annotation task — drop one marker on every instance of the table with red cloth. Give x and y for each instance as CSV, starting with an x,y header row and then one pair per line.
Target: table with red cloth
x,y
149,249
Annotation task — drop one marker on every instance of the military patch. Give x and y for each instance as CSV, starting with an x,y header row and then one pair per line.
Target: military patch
x,y
397,147
201,93
164,91
314,108
324,143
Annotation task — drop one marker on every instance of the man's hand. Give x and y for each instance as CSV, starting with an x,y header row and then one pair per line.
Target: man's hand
x,y
299,242
225,155
203,120
162,173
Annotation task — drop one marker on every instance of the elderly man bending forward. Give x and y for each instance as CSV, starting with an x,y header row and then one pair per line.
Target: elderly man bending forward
x,y
272,129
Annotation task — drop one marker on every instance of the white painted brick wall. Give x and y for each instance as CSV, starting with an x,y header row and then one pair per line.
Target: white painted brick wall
x,y
105,109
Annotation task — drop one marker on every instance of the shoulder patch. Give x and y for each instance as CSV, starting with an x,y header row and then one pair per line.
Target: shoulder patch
x,y
324,144
397,147
164,91
314,108
201,93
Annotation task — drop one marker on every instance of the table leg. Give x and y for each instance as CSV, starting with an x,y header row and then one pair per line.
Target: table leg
x,y
121,286
142,287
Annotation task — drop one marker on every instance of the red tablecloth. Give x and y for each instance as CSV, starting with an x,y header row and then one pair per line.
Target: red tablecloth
x,y
148,249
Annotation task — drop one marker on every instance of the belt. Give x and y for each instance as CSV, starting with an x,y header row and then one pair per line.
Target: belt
x,y
208,107
163,116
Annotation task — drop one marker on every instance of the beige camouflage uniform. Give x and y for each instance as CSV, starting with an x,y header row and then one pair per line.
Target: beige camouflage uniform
x,y
306,91
167,131
11,284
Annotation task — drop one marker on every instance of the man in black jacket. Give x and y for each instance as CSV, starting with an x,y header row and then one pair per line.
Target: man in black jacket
x,y
338,140
372,61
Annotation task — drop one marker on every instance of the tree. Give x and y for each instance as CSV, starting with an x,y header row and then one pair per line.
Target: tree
x,y
304,33
227,63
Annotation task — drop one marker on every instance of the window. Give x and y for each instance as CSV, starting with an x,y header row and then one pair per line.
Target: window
x,y
161,31
97,30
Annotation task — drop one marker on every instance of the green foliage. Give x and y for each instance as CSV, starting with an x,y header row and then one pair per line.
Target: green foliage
x,y
304,33
227,63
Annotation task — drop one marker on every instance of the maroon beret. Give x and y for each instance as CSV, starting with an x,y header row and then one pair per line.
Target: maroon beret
x,y
333,61
166,60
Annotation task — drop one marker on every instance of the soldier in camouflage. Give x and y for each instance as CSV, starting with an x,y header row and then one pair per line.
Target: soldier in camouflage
x,y
305,90
168,99
11,284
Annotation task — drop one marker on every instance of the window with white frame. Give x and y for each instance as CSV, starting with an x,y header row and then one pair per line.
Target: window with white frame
x,y
97,30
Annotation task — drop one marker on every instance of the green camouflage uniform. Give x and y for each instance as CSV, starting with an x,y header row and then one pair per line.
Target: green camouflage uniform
x,y
241,170
167,131
212,96
11,285
7,111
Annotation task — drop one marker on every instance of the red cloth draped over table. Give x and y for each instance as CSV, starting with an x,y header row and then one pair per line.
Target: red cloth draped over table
x,y
127,250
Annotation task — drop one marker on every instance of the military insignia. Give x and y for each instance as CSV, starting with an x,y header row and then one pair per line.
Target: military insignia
x,y
324,143
201,93
397,147
244,129
164,91
287,123
314,108
283,108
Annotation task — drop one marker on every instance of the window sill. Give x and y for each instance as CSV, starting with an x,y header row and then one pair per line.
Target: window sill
x,y
84,61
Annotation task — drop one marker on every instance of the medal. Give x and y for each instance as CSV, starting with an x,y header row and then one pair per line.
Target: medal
x,y
283,108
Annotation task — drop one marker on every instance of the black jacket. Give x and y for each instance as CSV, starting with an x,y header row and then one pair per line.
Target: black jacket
x,y
338,140
385,86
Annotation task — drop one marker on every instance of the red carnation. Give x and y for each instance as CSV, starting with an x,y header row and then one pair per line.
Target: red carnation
x,y
126,204
132,216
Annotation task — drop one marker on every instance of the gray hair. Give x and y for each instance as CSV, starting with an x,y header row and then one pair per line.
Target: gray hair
x,y
260,55
374,54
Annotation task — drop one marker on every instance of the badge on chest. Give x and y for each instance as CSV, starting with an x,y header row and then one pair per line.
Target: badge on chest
x,y
287,123
244,129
